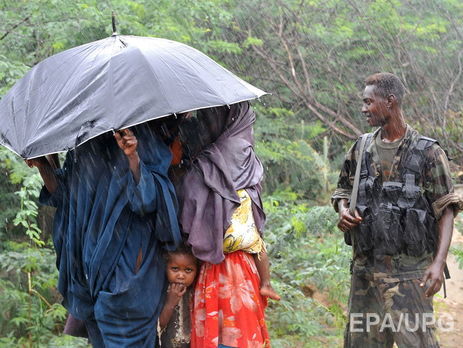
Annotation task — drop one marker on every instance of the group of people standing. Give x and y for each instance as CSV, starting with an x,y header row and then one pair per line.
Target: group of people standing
x,y
130,220
158,233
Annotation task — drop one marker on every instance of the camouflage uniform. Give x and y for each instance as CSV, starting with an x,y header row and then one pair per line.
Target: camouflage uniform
x,y
385,287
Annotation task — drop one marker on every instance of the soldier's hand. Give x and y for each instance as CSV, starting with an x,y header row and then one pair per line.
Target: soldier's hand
x,y
127,141
434,276
347,221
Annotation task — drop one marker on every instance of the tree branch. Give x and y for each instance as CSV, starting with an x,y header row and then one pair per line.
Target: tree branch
x,y
455,80
307,102
14,27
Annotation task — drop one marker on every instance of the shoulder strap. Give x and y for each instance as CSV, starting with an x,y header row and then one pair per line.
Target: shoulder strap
x,y
425,142
355,188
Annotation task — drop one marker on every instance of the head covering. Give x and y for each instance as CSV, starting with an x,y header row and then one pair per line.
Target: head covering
x,y
225,165
105,222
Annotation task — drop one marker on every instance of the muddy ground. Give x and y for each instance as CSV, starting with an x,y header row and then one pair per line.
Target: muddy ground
x,y
450,309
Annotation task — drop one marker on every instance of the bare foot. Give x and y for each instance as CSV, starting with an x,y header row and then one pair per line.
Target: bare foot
x,y
267,290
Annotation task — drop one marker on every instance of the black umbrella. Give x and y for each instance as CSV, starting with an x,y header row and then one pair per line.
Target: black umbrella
x,y
112,83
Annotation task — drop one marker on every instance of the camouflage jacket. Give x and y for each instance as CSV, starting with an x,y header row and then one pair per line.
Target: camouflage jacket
x,y
436,186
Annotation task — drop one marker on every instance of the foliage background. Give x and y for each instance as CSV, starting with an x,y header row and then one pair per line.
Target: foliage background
x,y
312,55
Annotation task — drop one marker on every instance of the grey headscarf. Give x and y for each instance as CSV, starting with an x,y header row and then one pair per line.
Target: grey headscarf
x,y
228,163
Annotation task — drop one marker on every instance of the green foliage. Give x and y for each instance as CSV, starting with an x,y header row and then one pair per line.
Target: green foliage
x,y
458,252
290,158
310,266
31,314
26,183
458,249
9,202
10,71
312,56
27,214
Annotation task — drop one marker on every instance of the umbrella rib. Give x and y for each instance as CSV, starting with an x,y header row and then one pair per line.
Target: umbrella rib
x,y
130,125
51,104
63,87
157,78
175,73
229,73
198,62
182,78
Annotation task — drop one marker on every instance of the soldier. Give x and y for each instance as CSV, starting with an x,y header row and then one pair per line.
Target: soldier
x,y
401,226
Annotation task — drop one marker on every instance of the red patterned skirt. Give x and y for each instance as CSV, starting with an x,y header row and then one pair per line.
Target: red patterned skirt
x,y
227,306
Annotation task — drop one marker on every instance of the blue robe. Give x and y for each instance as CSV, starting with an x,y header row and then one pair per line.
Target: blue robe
x,y
104,222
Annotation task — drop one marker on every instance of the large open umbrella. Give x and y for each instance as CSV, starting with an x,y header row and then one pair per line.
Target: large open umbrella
x,y
112,83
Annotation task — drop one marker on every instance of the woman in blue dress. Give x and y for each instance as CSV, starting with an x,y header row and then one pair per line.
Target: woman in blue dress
x,y
116,210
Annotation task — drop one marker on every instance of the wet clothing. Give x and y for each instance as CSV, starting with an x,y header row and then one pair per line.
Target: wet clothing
x,y
386,152
75,327
434,183
397,217
437,176
387,310
242,233
104,223
228,308
177,333
208,193
395,242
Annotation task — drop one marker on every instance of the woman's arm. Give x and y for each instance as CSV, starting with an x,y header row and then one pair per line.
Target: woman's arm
x,y
128,143
46,172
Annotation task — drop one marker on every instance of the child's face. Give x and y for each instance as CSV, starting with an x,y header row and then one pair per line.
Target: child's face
x,y
181,268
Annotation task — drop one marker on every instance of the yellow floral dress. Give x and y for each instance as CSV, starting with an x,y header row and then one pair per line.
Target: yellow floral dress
x,y
242,233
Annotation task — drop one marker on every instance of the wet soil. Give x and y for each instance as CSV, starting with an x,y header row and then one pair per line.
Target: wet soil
x,y
450,309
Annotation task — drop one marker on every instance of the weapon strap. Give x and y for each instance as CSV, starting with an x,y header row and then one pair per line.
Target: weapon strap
x,y
355,188
446,276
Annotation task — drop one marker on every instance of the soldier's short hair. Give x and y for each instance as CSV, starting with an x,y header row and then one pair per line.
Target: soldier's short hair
x,y
387,84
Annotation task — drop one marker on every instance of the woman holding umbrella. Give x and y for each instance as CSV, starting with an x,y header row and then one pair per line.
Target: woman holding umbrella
x,y
116,210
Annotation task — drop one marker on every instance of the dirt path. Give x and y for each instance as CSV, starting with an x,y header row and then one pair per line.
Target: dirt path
x,y
450,310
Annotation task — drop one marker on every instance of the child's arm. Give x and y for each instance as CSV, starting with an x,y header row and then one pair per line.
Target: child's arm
x,y
175,292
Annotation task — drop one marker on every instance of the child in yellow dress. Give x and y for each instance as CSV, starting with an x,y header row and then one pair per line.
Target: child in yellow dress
x,y
243,235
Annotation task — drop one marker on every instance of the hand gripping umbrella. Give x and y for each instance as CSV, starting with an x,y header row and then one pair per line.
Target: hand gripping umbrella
x,y
113,83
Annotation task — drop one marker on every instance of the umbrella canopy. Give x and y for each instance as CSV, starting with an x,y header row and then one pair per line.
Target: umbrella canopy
x,y
112,83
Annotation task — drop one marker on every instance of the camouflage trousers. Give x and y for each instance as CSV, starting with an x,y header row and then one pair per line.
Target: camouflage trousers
x,y
387,310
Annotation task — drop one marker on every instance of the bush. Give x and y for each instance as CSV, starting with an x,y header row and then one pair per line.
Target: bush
x,y
310,269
